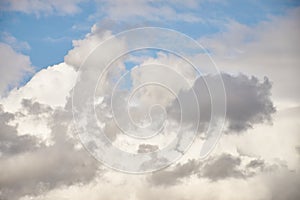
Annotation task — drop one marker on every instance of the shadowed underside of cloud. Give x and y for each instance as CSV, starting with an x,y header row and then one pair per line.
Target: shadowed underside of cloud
x,y
167,178
224,166
216,168
29,167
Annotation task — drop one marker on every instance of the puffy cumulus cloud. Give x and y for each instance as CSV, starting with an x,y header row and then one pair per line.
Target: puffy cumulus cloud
x,y
50,86
83,48
174,10
13,67
10,142
38,149
272,143
181,76
30,167
266,49
248,101
42,7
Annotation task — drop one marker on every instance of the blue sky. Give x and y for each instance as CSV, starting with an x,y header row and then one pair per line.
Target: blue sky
x,y
50,35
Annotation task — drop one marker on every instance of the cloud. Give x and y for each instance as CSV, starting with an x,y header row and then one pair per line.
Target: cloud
x,y
284,185
253,50
248,101
267,169
257,163
13,68
298,149
29,167
10,142
224,166
83,48
147,10
173,177
39,7
146,148
14,43
43,88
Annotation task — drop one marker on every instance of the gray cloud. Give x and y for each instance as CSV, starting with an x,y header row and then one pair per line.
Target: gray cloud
x,y
248,101
222,167
284,185
298,149
30,168
257,163
147,148
35,108
10,142
173,177
215,168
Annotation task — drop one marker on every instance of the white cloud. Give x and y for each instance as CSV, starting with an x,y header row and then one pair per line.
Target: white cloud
x,y
44,7
50,86
14,43
267,49
121,10
82,48
13,68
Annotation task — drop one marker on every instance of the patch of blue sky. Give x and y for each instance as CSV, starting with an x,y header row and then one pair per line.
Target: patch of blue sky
x,y
50,37
130,64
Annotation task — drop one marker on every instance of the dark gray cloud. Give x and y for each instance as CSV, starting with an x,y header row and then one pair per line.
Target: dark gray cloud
x,y
216,168
224,166
257,163
248,101
166,177
30,168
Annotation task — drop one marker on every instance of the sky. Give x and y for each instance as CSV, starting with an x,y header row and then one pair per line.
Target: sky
x,y
149,99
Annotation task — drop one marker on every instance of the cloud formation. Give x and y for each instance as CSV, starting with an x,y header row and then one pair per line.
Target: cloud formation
x,y
13,68
248,101
174,10
30,167
39,7
261,162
